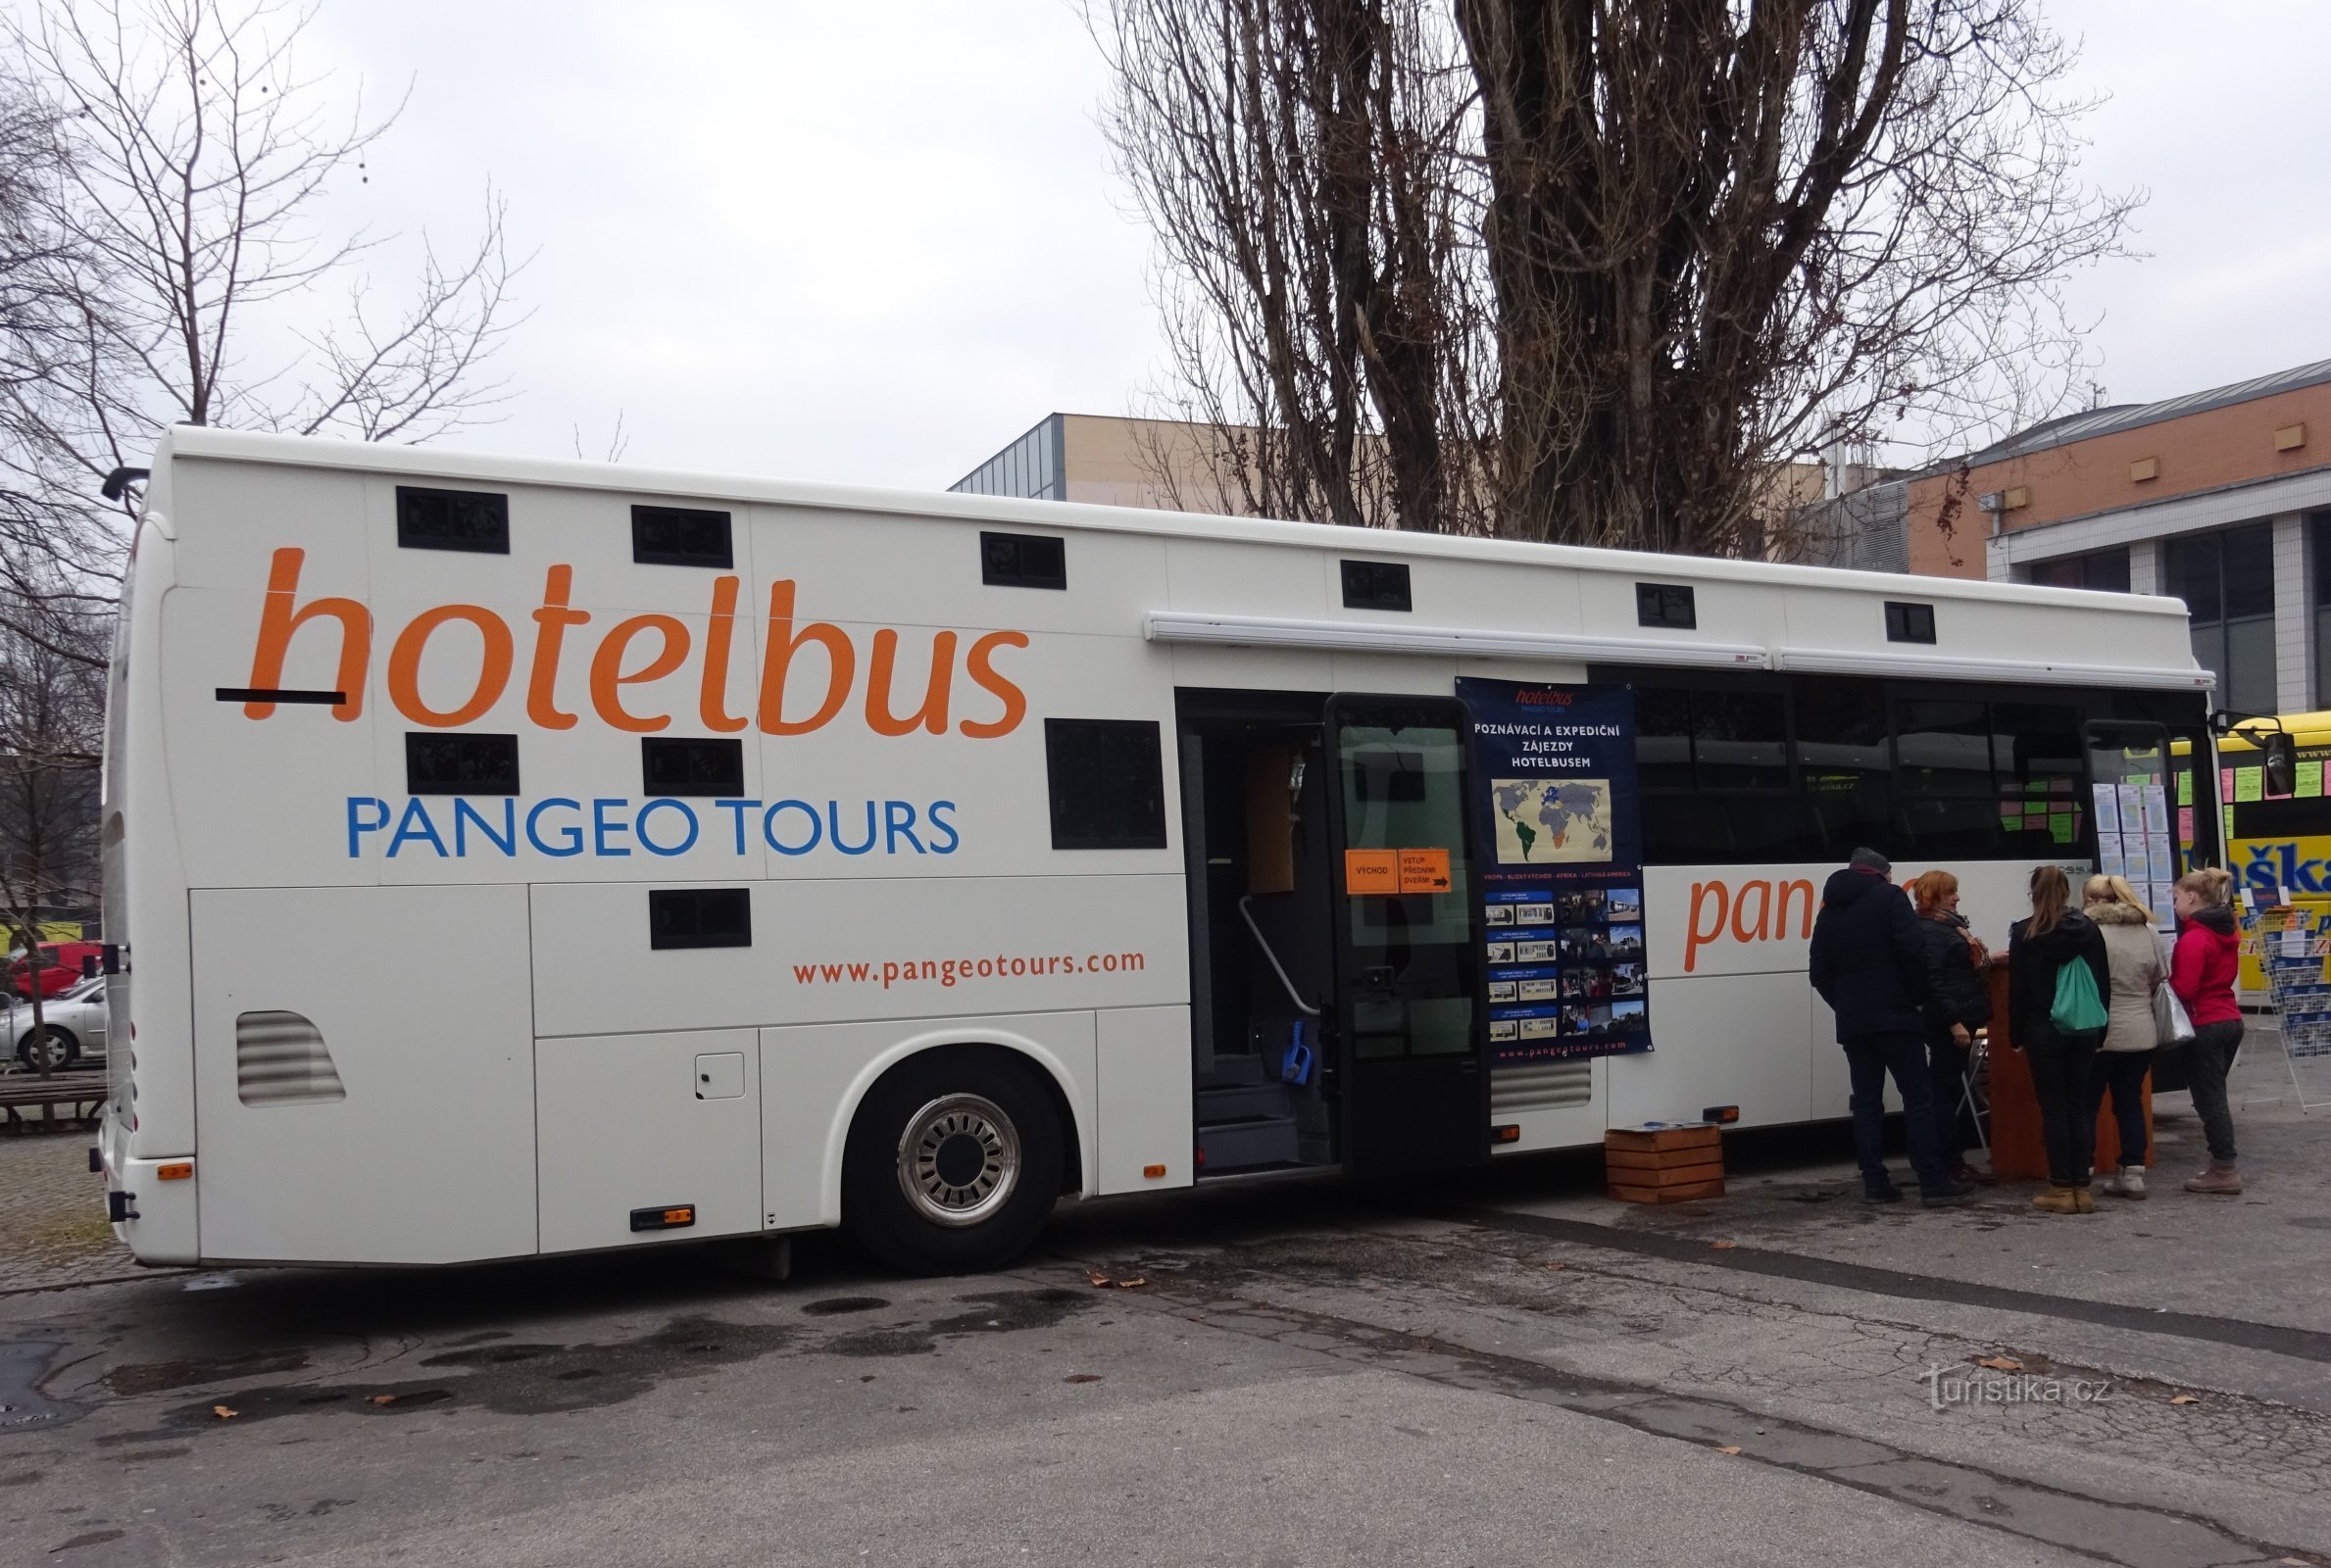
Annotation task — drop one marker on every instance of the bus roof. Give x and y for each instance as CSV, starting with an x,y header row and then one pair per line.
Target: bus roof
x,y
200,441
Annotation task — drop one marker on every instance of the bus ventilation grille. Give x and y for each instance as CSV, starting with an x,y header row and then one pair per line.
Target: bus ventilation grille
x,y
1539,1086
279,1060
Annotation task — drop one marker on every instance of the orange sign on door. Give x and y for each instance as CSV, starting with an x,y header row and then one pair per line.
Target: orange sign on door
x,y
1424,870
1372,871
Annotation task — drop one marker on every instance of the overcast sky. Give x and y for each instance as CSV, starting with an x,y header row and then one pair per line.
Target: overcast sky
x,y
874,243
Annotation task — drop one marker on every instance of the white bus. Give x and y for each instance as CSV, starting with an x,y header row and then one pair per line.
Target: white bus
x,y
510,858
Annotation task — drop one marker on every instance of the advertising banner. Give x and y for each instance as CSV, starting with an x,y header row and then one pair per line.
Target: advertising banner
x,y
1561,876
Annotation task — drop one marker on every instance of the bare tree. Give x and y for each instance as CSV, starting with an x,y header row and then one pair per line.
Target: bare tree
x,y
1299,162
51,720
1715,234
179,218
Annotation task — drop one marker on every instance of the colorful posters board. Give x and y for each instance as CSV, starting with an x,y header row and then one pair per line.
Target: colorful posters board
x,y
1562,875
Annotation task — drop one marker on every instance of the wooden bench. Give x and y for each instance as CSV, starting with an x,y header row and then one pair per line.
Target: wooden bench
x,y
84,1094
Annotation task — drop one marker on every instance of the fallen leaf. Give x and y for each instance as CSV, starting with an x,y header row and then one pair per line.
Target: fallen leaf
x,y
2000,1364
1723,1246
1554,1266
1133,1284
380,1398
1734,1450
1082,1377
2184,1398
222,1412
1095,1277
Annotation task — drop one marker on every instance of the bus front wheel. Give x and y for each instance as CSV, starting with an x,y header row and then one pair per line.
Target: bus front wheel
x,y
953,1165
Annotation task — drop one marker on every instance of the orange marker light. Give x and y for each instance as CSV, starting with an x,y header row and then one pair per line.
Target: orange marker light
x,y
1153,1172
1511,1133
177,1171
680,1216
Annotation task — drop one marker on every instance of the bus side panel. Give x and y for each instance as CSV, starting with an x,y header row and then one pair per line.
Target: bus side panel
x,y
1145,1117
822,1072
881,947
632,1122
1737,1039
386,1112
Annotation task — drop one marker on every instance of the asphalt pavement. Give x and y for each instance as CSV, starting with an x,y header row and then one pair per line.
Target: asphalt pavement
x,y
1508,1368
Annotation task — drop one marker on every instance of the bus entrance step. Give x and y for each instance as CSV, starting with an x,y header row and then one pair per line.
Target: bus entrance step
x,y
1261,1141
1241,1103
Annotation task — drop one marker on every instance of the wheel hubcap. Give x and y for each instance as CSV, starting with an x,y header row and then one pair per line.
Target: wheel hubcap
x,y
959,1159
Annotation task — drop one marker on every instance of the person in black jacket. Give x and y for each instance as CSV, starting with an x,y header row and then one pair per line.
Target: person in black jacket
x,y
2038,949
1957,1003
1869,965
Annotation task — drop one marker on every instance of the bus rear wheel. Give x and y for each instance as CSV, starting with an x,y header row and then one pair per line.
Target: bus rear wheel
x,y
953,1165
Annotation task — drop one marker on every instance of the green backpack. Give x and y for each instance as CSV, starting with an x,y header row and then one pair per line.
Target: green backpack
x,y
2078,1009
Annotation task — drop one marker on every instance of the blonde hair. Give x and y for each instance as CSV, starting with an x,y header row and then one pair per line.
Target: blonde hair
x,y
1929,889
2114,890
2212,884
2051,890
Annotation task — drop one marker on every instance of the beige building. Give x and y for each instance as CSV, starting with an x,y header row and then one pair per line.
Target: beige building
x,y
1114,461
1109,460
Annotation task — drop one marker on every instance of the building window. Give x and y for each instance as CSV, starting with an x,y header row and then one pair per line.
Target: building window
x,y
2106,571
2318,553
2226,578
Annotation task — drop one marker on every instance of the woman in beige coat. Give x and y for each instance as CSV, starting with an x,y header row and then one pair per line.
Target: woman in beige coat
x,y
2134,954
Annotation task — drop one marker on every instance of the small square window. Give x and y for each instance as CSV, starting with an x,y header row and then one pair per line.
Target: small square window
x,y
1024,560
1106,782
1909,623
460,764
1376,585
691,765
681,536
1665,604
700,917
477,521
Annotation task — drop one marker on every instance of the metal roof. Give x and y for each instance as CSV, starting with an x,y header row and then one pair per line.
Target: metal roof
x,y
2067,428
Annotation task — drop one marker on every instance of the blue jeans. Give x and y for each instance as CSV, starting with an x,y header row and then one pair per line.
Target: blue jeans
x,y
1869,1060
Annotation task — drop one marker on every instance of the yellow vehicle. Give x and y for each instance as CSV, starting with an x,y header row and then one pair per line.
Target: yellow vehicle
x,y
2277,839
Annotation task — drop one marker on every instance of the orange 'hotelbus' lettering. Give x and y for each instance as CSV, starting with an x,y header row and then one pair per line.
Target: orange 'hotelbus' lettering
x,y
282,616
278,620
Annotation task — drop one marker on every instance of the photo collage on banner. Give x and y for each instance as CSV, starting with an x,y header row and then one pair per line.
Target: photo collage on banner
x,y
1562,878
2135,839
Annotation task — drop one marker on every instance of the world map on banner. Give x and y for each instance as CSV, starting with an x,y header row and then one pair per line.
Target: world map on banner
x,y
1541,820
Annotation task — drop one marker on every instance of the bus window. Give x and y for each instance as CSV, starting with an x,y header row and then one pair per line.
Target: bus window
x,y
1842,759
2129,765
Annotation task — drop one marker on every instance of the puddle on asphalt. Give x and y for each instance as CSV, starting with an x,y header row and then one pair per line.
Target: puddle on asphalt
x,y
157,1377
521,1379
1002,1312
22,1406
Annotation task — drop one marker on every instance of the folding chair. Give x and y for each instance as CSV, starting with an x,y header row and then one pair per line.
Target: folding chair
x,y
1978,1099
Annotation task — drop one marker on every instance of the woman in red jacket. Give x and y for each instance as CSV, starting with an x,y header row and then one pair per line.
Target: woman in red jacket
x,y
2202,971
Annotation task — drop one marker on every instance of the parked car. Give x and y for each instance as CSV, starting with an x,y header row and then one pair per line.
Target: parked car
x,y
60,968
73,1021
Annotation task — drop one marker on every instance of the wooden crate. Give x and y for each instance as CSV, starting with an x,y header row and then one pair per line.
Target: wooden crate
x,y
1663,1164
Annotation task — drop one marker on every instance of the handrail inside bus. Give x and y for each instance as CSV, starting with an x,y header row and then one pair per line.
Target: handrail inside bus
x,y
1248,916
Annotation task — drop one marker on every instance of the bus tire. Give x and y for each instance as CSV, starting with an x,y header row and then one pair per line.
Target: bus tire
x,y
952,1163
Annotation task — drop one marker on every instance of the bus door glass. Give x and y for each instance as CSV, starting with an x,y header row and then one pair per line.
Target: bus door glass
x,y
1408,936
2142,833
